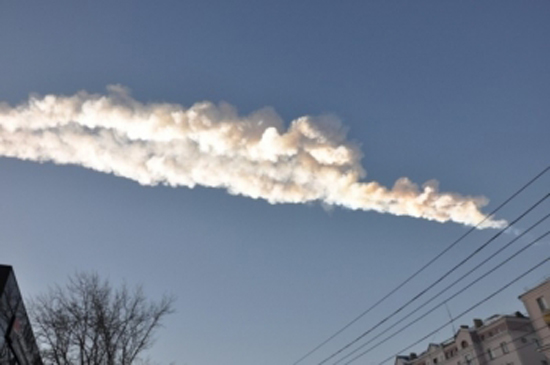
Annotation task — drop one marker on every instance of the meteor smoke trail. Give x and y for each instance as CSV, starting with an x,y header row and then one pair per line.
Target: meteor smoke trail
x,y
211,145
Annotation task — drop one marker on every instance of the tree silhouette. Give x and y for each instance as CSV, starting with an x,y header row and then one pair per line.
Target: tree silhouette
x,y
88,322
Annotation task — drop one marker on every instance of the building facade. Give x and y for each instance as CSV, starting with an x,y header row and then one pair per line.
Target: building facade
x,y
17,341
499,340
536,302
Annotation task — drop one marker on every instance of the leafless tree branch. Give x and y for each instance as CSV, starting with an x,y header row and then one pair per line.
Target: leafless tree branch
x,y
90,323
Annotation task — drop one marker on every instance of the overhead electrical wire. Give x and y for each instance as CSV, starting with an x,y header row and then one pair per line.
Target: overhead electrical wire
x,y
457,281
430,262
463,313
431,310
454,283
441,278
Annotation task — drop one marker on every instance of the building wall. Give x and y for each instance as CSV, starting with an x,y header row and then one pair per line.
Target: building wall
x,y
468,348
503,350
504,340
536,313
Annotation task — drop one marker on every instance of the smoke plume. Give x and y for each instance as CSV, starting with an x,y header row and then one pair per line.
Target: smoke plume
x,y
211,145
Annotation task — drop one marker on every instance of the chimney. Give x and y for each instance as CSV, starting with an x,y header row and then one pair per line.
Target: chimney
x,y
478,322
412,356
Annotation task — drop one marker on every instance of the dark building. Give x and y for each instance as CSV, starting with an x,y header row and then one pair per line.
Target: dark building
x,y
17,342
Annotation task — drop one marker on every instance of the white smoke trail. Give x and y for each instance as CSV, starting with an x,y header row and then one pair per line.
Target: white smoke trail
x,y
211,145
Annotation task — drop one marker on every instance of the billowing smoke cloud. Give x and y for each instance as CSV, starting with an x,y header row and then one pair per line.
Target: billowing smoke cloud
x,y
211,145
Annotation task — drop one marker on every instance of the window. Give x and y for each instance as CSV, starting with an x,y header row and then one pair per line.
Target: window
x,y
523,340
464,344
542,304
504,347
490,354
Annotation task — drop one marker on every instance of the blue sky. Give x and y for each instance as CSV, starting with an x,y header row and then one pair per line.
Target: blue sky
x,y
453,91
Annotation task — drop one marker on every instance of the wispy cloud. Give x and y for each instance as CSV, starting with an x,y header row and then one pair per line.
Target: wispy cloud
x,y
211,145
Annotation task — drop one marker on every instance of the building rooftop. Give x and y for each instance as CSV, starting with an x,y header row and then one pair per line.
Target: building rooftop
x,y
543,282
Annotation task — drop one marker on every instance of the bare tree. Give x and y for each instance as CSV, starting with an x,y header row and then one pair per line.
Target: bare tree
x,y
90,323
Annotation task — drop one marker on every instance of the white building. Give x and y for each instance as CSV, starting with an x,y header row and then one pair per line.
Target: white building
x,y
537,301
500,340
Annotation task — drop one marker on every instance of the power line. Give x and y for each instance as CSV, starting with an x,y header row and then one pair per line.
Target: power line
x,y
455,282
532,243
448,287
467,310
441,278
454,243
